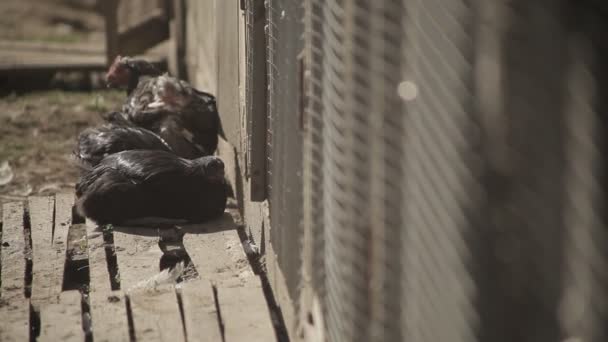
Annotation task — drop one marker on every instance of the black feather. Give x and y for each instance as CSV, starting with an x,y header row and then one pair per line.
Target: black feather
x,y
134,184
94,144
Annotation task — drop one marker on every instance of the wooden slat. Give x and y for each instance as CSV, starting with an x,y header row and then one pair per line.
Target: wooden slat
x,y
62,321
48,264
245,313
138,256
85,48
108,308
14,308
63,220
218,254
156,315
200,314
219,257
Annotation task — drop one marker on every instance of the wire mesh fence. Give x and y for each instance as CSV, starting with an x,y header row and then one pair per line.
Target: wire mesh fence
x,y
453,174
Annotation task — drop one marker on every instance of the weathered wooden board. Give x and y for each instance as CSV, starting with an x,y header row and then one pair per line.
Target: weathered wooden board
x,y
63,220
62,321
138,256
219,257
108,308
14,307
156,315
217,252
109,317
200,314
48,264
245,314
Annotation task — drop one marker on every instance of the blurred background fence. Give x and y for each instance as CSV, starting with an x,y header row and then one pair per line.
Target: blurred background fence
x,y
453,170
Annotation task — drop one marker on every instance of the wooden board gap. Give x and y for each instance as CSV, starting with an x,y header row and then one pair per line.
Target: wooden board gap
x,y
130,319
76,272
111,258
29,263
34,324
180,304
53,221
220,321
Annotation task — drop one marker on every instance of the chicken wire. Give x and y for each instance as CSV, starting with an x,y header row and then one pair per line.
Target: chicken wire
x,y
582,309
442,188
284,43
314,271
361,130
469,209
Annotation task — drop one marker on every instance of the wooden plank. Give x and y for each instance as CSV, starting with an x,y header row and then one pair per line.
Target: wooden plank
x,y
200,313
14,307
156,315
108,308
245,313
63,220
85,48
219,257
48,264
177,59
109,317
138,255
218,254
62,321
41,60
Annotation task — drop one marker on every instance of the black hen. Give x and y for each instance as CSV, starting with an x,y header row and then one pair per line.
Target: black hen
x,y
122,135
135,184
94,144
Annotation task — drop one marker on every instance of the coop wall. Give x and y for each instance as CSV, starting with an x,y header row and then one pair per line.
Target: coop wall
x,y
246,57
417,170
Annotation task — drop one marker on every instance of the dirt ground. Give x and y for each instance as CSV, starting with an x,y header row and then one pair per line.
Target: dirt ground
x,y
38,130
37,136
62,21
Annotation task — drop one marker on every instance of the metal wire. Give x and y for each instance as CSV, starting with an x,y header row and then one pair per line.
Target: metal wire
x,y
443,187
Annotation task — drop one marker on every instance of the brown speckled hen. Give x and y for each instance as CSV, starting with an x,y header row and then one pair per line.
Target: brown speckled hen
x,y
156,97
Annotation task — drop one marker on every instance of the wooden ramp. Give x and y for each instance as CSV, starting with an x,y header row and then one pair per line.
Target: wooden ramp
x,y
67,280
